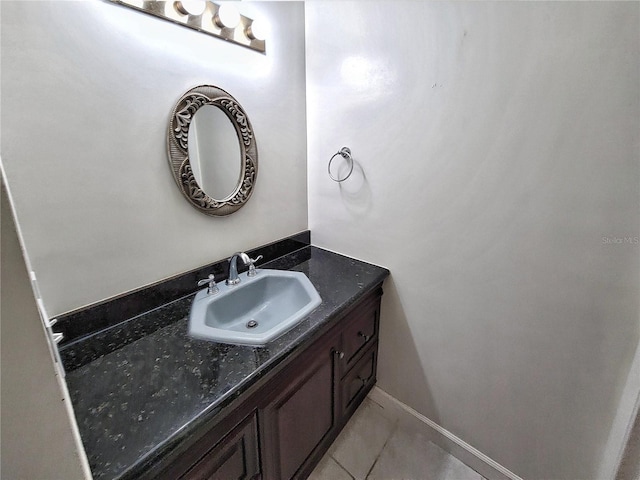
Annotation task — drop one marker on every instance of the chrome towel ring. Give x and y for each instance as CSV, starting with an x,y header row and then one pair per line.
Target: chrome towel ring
x,y
345,153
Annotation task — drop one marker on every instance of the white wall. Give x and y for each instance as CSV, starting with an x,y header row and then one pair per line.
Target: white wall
x,y
37,439
87,90
497,162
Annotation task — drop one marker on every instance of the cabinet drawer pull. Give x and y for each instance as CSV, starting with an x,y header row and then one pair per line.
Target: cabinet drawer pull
x,y
339,354
363,380
366,337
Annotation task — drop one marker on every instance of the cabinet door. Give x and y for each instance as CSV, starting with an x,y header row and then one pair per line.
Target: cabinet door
x,y
300,415
234,458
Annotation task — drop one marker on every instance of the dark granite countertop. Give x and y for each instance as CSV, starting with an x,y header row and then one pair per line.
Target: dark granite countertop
x,y
136,402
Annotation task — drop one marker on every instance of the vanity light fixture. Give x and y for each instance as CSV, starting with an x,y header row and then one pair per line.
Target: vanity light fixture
x,y
219,20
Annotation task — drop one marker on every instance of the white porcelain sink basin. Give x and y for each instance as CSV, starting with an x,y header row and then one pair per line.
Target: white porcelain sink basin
x,y
255,311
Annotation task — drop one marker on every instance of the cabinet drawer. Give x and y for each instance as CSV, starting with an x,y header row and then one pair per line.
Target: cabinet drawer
x,y
235,457
361,332
357,382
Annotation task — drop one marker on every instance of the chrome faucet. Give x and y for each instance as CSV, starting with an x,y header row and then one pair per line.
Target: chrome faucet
x,y
233,267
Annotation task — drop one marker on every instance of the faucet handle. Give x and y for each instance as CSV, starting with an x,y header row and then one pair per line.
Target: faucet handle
x,y
252,268
211,284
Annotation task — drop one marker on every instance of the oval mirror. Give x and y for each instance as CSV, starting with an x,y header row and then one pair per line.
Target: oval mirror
x,y
212,150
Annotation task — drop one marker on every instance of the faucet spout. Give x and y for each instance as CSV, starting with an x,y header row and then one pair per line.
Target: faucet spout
x,y
233,267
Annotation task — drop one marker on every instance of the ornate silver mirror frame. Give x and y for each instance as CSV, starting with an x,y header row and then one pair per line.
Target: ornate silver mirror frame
x,y
178,149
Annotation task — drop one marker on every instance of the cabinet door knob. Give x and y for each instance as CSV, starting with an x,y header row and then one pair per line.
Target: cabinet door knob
x,y
339,354
366,337
363,380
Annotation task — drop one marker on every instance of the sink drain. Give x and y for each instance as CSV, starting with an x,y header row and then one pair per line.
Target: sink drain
x,y
252,324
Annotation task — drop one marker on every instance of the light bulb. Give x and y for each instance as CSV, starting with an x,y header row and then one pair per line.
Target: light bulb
x,y
257,30
191,7
227,16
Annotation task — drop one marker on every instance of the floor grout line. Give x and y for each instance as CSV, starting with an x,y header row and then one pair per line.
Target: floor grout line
x,y
342,467
391,434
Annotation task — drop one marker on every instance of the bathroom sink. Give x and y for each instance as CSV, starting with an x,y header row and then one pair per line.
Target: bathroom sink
x,y
255,311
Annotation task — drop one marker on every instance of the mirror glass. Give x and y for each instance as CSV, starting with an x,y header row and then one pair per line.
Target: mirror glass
x,y
214,152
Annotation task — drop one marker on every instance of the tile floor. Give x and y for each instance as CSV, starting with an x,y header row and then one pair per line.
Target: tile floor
x,y
375,446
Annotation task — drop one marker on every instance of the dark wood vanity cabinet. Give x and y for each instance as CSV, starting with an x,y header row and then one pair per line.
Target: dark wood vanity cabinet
x,y
235,457
284,427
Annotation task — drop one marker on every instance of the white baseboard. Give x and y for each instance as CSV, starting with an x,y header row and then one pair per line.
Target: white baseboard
x,y
481,463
